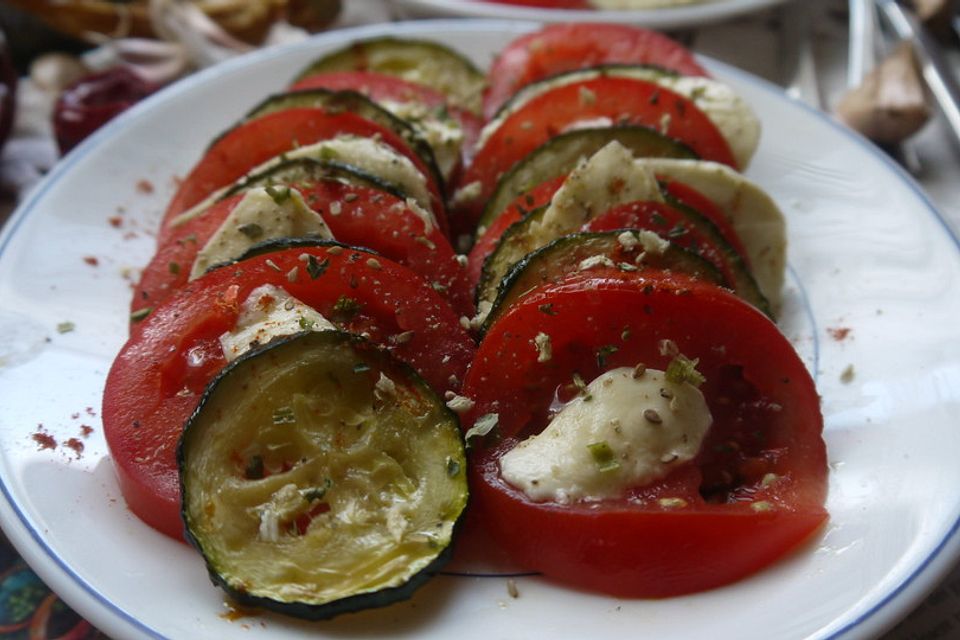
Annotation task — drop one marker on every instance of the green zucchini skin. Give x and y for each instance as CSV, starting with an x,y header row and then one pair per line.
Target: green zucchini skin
x,y
358,104
422,61
744,284
560,155
609,68
564,255
515,244
280,244
415,423
291,172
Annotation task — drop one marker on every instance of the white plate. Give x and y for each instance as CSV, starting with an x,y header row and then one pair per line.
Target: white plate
x,y
867,252
665,18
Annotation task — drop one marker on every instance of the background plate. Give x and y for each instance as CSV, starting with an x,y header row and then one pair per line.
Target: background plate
x,y
666,18
867,253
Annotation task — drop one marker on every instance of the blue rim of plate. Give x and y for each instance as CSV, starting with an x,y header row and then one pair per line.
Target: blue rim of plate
x,y
426,28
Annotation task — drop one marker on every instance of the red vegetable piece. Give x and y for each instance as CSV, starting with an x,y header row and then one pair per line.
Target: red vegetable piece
x,y
367,217
564,47
253,143
754,493
156,381
381,87
488,240
617,98
707,208
8,90
666,222
92,101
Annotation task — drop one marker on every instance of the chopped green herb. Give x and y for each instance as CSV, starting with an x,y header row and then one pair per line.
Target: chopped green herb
x,y
547,309
605,352
140,314
316,268
305,323
482,427
682,369
173,268
676,231
252,230
279,194
328,153
361,367
66,327
345,307
658,219
603,456
284,415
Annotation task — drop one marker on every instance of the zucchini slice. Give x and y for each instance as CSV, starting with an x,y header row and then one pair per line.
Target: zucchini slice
x,y
356,103
425,62
568,253
518,241
561,154
320,476
306,170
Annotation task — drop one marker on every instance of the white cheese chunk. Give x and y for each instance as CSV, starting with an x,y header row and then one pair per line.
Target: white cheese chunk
x,y
755,217
369,155
442,132
264,213
622,431
269,312
608,178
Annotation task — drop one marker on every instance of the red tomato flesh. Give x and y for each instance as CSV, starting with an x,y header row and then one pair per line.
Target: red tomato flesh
x,y
668,223
254,142
488,238
619,99
764,446
565,47
368,217
381,87
156,381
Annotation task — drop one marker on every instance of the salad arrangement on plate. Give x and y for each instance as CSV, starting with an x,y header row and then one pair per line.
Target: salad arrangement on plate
x,y
317,375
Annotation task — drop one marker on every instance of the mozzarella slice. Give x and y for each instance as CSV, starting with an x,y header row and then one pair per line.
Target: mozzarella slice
x,y
269,312
264,213
442,132
754,215
608,178
369,155
623,431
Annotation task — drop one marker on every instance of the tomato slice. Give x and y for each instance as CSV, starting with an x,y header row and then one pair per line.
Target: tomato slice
x,y
659,217
666,222
755,491
254,142
703,205
564,47
538,196
617,99
156,381
380,87
367,217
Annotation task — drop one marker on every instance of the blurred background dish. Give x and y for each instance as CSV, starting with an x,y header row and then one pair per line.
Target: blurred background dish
x,y
663,18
